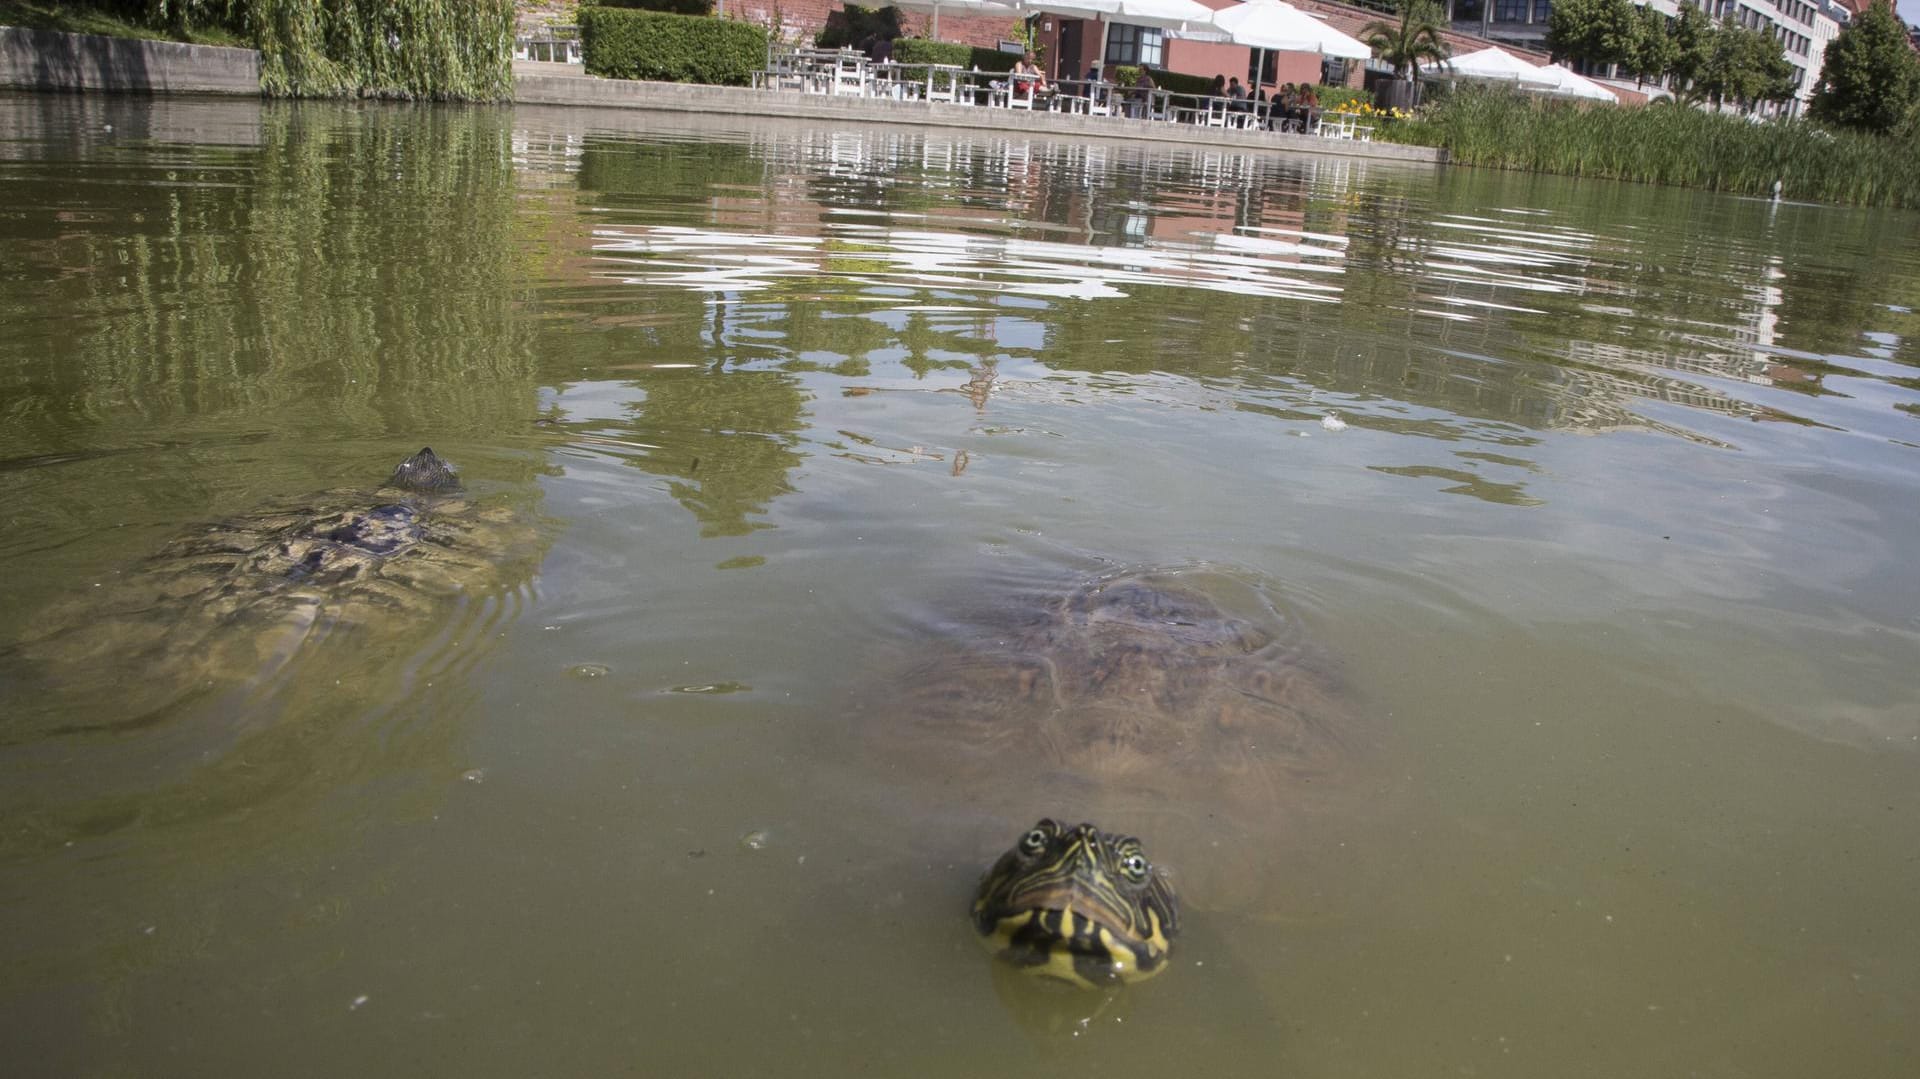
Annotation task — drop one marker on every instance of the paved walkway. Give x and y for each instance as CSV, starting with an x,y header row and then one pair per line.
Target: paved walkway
x,y
567,84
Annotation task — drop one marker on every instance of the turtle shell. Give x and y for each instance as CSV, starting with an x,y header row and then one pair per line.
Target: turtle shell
x,y
1179,704
233,602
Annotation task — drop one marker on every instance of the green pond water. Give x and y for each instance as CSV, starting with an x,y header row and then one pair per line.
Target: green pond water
x,y
1589,508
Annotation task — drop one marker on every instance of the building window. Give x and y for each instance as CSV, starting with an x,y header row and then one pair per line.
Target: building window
x,y
1510,10
1139,45
1542,11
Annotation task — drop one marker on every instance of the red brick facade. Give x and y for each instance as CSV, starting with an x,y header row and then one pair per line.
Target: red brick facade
x,y
800,20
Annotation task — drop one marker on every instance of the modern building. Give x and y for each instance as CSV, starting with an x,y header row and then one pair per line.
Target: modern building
x,y
1803,27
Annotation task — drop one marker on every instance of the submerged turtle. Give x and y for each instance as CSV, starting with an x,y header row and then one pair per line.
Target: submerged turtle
x,y
1179,703
231,604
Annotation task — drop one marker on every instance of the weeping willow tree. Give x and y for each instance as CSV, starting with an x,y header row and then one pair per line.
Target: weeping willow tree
x,y
444,50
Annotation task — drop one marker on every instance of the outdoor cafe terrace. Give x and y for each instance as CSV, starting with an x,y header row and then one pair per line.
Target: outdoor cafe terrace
x,y
851,73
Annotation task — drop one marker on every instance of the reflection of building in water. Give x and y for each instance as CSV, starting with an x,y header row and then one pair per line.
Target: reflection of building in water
x,y
953,241
547,158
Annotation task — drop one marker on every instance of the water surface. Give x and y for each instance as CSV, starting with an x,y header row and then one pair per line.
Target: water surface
x,y
1599,495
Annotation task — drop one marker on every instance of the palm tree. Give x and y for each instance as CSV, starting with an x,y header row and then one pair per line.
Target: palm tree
x,y
1409,41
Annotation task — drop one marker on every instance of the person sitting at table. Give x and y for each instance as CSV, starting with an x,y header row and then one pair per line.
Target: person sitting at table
x,y
1282,111
1238,94
1140,98
1219,87
1028,79
1309,107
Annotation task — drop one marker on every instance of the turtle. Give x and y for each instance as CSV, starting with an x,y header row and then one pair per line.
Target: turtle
x,y
233,602
1176,702
1080,905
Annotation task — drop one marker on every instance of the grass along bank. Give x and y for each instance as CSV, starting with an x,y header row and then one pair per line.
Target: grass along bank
x,y
1667,144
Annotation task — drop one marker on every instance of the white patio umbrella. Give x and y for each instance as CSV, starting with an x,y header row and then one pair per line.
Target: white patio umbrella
x,y
955,7
1277,25
1498,65
1572,84
1264,25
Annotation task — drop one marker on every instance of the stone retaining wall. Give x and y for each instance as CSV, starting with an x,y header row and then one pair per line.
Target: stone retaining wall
x,y
48,60
561,84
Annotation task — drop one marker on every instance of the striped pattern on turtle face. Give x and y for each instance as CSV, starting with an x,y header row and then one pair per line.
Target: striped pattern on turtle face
x,y
1078,904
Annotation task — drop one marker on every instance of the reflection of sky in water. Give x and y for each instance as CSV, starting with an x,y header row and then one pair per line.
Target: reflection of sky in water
x,y
1304,267
1608,320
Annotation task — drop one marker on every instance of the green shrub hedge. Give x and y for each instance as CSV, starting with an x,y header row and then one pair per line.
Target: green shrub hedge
x,y
1182,83
918,50
624,44
670,7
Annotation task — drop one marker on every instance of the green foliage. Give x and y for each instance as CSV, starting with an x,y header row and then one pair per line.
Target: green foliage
x,y
442,50
1743,65
1182,83
625,44
1870,80
855,25
180,16
918,50
1332,97
670,7
1412,39
1653,49
1692,34
1681,146
1597,31
215,22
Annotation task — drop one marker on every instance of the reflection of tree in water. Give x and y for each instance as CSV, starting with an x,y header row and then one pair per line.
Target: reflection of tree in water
x,y
671,180
724,440
265,320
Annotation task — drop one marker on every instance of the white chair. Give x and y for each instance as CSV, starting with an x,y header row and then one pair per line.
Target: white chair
x,y
943,86
1020,92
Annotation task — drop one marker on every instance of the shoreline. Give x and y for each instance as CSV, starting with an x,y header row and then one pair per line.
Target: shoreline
x,y
49,61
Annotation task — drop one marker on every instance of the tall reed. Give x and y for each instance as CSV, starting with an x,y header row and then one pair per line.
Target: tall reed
x,y
1669,145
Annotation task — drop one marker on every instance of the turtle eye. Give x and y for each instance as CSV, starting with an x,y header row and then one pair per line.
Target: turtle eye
x,y
1034,842
1134,866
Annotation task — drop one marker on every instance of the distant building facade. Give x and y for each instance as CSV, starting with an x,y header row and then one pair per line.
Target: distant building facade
x,y
1803,27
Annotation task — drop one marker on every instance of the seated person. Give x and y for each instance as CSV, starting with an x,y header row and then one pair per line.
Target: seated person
x,y
1028,79
1219,87
1140,98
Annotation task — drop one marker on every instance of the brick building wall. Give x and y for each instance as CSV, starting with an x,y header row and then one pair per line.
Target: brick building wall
x,y
800,20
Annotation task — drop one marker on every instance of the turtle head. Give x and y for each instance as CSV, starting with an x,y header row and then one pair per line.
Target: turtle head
x,y
424,472
1077,904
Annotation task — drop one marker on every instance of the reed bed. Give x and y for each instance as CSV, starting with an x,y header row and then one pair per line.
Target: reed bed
x,y
1665,145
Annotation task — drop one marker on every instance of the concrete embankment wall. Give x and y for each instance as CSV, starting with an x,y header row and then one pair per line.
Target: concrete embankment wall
x,y
47,60
561,84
